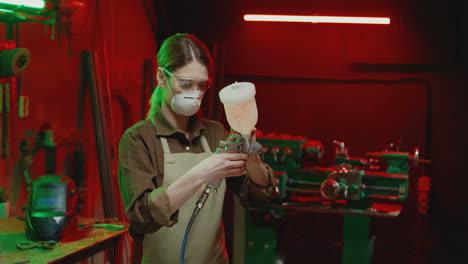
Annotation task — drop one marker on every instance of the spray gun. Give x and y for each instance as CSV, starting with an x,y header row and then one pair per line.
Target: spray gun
x,y
236,143
242,115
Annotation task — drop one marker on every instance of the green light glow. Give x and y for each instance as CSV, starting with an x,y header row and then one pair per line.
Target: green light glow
x,y
27,3
6,10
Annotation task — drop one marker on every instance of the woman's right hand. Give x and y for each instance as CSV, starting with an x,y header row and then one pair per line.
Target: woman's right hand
x,y
220,166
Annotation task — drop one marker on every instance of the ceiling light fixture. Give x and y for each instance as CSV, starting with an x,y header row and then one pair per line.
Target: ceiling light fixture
x,y
318,19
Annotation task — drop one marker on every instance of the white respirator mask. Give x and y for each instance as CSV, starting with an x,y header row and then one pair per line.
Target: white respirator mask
x,y
186,103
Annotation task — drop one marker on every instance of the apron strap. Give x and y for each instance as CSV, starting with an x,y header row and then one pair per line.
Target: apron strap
x,y
165,145
205,145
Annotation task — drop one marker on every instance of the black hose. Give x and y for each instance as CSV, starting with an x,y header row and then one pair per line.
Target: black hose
x,y
198,207
187,231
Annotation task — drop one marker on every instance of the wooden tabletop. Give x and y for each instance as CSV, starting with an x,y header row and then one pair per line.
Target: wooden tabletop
x,y
81,242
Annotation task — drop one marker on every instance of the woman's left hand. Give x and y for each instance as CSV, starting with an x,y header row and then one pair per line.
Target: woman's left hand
x,y
255,167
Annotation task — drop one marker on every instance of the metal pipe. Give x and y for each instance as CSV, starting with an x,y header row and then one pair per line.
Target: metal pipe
x,y
301,190
378,188
290,181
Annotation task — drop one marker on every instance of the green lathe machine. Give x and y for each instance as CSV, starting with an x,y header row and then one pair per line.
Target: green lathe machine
x,y
358,188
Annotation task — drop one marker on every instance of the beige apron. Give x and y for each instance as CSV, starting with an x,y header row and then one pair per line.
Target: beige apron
x,y
206,240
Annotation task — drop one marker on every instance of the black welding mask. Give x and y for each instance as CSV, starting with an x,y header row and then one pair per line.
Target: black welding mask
x,y
51,211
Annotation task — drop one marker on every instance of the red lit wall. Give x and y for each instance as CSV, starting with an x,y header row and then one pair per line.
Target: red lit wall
x,y
120,34
300,72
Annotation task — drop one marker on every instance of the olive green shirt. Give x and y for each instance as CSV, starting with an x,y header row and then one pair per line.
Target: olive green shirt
x,y
141,171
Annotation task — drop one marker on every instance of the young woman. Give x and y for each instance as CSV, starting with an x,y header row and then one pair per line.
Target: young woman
x,y
167,160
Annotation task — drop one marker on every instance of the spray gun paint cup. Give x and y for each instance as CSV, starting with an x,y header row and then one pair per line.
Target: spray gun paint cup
x,y
240,107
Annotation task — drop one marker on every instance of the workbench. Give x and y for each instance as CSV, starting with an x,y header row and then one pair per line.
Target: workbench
x,y
82,244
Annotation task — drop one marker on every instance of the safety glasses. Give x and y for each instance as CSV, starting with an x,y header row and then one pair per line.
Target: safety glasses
x,y
188,84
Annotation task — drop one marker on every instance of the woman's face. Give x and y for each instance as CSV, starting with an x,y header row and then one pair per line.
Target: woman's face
x,y
191,76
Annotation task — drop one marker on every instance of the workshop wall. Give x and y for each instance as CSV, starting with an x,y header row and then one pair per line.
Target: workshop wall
x,y
299,70
307,79
120,35
426,41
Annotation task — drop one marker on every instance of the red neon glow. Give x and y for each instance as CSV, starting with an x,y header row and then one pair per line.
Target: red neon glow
x,y
78,4
318,19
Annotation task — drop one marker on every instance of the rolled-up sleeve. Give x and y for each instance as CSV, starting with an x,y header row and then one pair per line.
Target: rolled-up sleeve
x,y
256,195
249,192
147,205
